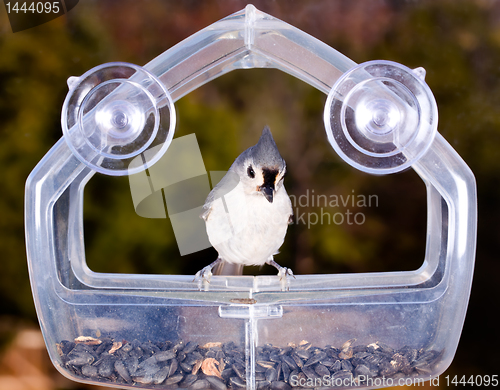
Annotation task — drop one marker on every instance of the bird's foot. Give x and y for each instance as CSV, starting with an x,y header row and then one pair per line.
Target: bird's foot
x,y
204,275
283,273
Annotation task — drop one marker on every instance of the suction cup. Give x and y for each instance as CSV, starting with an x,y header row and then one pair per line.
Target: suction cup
x,y
381,117
115,112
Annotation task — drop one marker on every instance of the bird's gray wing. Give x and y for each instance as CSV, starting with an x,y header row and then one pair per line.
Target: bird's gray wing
x,y
224,186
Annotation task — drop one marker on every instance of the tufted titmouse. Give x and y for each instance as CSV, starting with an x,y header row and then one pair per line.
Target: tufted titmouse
x,y
248,212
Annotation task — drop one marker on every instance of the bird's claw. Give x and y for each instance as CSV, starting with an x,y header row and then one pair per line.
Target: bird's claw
x,y
203,277
283,274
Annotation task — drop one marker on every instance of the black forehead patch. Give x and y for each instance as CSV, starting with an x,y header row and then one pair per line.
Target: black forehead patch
x,y
269,176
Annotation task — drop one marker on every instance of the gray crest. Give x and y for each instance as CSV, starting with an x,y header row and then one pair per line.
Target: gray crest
x,y
266,153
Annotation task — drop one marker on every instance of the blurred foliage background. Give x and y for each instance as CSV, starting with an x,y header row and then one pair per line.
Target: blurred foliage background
x,y
457,42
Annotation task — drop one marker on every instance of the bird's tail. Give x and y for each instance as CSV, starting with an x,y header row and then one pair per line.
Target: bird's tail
x,y
225,268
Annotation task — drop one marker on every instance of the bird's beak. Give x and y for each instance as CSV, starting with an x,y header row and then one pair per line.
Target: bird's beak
x,y
268,191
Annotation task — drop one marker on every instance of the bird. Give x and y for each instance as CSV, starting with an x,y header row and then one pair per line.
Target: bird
x,y
248,212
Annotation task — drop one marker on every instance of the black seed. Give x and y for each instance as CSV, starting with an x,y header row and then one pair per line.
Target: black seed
x,y
333,353
190,347
140,373
220,355
286,371
363,371
387,369
122,371
321,370
79,358
145,380
122,355
309,372
149,362
193,357
266,364
374,360
239,370
271,375
298,361
67,346
149,348
188,380
346,365
359,348
237,383
216,383
342,375
160,375
186,367
178,346
303,353
103,347
385,348
165,355
328,361
181,356
211,354
259,368
337,366
173,368
200,384
229,346
90,371
227,373
362,355
131,364
315,359
290,362
174,379
262,385
280,386
85,348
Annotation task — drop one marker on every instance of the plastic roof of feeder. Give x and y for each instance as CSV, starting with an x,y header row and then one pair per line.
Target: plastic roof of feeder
x,y
380,117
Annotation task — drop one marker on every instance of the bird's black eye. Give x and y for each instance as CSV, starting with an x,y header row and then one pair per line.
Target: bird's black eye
x,y
250,172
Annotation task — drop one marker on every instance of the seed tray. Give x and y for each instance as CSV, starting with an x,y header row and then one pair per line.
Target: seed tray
x,y
218,366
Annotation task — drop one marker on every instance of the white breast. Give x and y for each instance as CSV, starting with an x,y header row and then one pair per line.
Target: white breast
x,y
247,229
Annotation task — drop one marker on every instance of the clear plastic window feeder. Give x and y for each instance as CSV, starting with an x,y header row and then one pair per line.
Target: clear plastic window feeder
x,y
152,331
